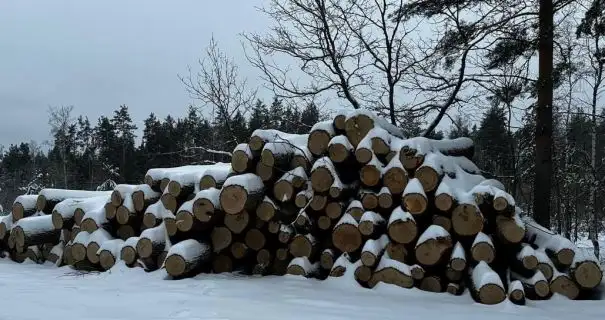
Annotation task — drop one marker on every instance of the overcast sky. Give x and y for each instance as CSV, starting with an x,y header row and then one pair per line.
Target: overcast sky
x,y
97,55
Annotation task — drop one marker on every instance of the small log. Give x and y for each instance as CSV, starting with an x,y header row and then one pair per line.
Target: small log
x,y
303,222
414,198
455,289
483,248
318,202
467,220
170,221
152,241
536,287
526,261
585,269
340,150
346,236
392,272
335,209
319,137
458,258
242,159
397,251
562,284
487,285
453,275
372,251
286,233
24,206
303,197
215,176
355,209
327,259
93,220
433,246
385,198
304,245
255,239
264,257
324,223
363,274
394,176
110,212
516,293
78,247
562,250
109,252
240,250
187,256
242,192
221,238
142,196
371,172
371,224
402,226
510,229
237,223
128,252
35,231
442,221
417,271
545,265
125,213
323,175
340,265
433,283
369,199
285,187
301,266
97,238
445,200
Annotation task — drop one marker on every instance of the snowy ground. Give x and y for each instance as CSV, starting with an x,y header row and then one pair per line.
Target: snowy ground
x,y
30,291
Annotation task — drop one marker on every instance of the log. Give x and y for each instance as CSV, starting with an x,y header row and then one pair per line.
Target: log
x,y
170,221
286,233
355,209
414,150
303,222
585,269
285,187
453,275
510,229
339,120
240,250
255,239
369,199
535,287
304,246
394,176
221,238
97,238
237,223
483,248
125,213
222,263
360,122
183,184
442,221
455,289
335,209
214,176
267,209
78,247
430,172
24,206
397,251
516,293
340,265
562,250
55,255
486,285
340,191
303,197
152,241
128,252
323,175
48,198
392,272
417,271
242,159
340,150
324,223
372,251
6,223
109,252
363,274
526,260
301,266
64,213
92,220
35,231
319,137
467,220
433,246
327,259
186,257
206,204
346,236
154,215
376,142
371,173
318,202
264,257
402,226
545,265
142,196
414,198
433,283
444,196
273,227
562,284
242,192
371,224
458,258
266,173
385,198
110,213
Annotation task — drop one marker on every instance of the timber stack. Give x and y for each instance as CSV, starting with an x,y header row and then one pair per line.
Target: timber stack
x,y
354,197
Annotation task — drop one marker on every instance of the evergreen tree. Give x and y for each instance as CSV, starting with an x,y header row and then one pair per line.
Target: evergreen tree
x,y
259,118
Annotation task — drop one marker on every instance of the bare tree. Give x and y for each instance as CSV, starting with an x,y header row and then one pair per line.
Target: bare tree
x,y
60,120
218,85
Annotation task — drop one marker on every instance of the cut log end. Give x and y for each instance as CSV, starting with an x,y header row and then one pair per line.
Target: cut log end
x,y
334,210
255,239
240,162
221,238
429,178
145,248
363,273
233,199
370,175
116,198
565,256
185,221
415,203
565,286
264,257
237,223
369,201
301,246
403,231
222,263
106,259
530,262
338,153
283,190
149,220
203,209
57,220
363,155
392,276
587,274
397,251
110,211
483,252
318,202
127,254
346,238
321,179
467,220
431,284
385,200
396,180
175,265
207,182
458,264
444,202
91,252
368,258
326,260
318,142
433,251
40,203
491,294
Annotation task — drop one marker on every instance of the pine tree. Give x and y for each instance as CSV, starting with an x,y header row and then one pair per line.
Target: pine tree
x,y
259,118
124,132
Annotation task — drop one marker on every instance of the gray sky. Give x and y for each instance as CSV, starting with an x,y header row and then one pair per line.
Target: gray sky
x,y
97,55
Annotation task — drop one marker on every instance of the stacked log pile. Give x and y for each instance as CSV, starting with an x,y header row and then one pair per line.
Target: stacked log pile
x,y
353,196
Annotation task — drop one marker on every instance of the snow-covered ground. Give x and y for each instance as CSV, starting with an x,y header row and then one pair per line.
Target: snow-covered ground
x,y
30,291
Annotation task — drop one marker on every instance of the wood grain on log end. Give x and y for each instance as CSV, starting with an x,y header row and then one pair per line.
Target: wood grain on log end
x,y
321,179
184,221
396,179
283,190
429,178
240,162
221,238
363,273
106,259
370,175
467,220
318,142
491,294
415,203
444,202
397,251
431,284
128,255
346,238
403,231
565,286
110,211
255,239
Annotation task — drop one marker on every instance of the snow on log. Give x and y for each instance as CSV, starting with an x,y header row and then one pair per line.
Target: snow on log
x,y
562,250
359,123
64,213
458,258
545,264
303,246
109,252
483,248
301,266
293,180
241,192
323,174
510,229
319,137
417,271
221,238
562,284
355,209
385,198
128,252
444,195
126,213
340,265
394,176
376,142
48,198
152,241
340,119
78,247
206,204
35,231
55,255
158,178
392,272
237,223
487,285
260,137
371,224
215,176
431,171
187,256
92,220
255,239
414,150
535,287
433,246
372,250
414,198
154,214
397,251
503,202
371,172
369,199
97,238
242,160
303,197
24,206
340,150
402,226
346,236
6,223
526,259
267,209
327,258
585,269
516,293
303,222
286,232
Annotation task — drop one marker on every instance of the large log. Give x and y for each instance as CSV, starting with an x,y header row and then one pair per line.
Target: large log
x,y
186,257
285,187
585,269
402,226
414,198
109,253
255,239
346,236
242,192
371,173
392,272
372,250
24,206
97,238
467,220
433,246
64,213
483,248
319,137
242,159
304,246
78,247
562,284
35,231
371,225
323,175
301,266
510,229
48,198
556,246
486,284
